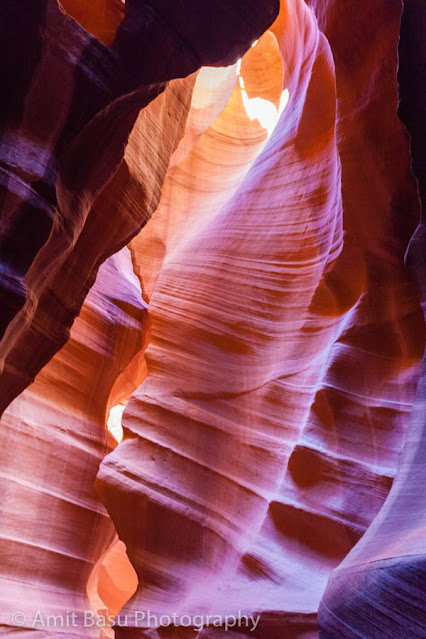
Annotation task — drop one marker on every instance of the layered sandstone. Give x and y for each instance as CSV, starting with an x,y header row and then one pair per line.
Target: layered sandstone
x,y
53,437
65,120
267,204
379,588
286,334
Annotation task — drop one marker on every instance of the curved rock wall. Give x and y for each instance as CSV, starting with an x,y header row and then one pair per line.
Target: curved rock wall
x,y
286,339
52,439
379,589
266,426
65,122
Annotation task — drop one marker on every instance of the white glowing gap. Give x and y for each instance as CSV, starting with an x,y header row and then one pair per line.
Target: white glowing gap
x,y
114,422
262,110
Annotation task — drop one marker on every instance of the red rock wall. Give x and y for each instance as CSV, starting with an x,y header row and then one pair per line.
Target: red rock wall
x,y
65,123
53,437
285,333
379,588
286,338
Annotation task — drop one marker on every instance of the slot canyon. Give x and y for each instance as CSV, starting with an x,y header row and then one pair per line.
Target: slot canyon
x,y
212,297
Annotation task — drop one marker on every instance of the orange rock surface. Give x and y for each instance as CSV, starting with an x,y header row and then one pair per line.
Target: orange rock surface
x,y
221,252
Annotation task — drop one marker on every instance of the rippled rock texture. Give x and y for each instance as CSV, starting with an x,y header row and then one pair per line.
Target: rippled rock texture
x,y
222,252
379,588
70,105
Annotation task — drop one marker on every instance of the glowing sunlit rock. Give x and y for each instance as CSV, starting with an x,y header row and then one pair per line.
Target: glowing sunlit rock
x,y
261,458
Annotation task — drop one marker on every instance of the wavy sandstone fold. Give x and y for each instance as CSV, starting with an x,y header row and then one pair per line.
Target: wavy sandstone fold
x,y
65,120
69,201
223,250
286,337
52,440
378,591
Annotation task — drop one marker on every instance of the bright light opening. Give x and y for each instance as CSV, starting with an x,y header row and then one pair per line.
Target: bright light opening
x,y
114,422
260,109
